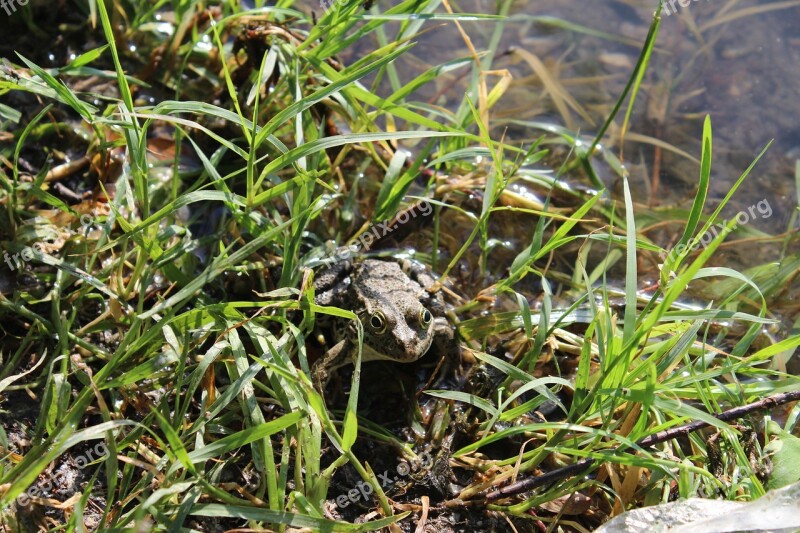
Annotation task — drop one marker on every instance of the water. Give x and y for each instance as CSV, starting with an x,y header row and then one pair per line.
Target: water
x,y
735,60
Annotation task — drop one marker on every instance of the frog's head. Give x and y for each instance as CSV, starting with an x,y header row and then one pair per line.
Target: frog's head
x,y
397,332
397,324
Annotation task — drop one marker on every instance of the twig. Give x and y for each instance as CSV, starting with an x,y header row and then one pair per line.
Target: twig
x,y
568,471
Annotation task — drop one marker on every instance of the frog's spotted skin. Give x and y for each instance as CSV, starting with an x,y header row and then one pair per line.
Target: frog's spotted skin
x,y
400,318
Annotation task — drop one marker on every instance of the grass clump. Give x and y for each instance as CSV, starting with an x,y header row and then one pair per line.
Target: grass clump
x,y
161,300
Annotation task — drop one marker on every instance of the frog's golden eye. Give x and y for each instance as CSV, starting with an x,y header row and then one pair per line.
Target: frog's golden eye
x,y
425,317
378,323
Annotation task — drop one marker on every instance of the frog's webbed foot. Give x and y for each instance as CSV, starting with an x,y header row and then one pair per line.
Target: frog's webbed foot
x,y
337,357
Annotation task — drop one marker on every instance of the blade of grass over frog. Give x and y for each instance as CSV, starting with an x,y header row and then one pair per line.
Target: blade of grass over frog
x,y
277,364
350,425
216,510
217,267
313,400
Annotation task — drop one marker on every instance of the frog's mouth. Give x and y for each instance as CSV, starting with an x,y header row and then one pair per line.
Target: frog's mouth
x,y
368,353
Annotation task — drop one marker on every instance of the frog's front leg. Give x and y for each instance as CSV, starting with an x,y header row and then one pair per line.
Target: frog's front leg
x,y
446,344
338,356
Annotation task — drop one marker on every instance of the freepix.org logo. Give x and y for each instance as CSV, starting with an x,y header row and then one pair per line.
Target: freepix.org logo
x,y
670,8
742,218
10,6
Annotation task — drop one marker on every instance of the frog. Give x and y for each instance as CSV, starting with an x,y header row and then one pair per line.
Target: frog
x,y
401,316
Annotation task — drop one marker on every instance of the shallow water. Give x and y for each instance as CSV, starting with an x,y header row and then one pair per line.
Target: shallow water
x,y
735,60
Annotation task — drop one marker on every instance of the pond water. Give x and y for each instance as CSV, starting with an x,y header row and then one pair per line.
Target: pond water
x,y
738,61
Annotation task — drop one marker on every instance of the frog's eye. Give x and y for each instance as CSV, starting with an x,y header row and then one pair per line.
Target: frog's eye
x,y
378,323
425,317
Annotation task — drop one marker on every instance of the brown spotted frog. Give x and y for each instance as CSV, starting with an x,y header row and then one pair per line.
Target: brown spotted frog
x,y
401,318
